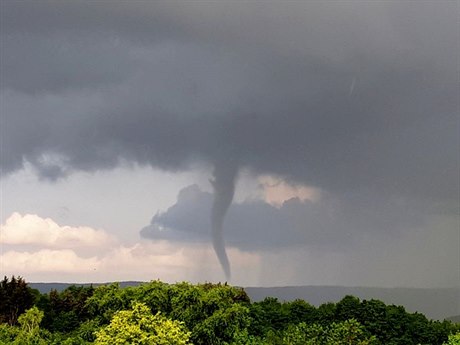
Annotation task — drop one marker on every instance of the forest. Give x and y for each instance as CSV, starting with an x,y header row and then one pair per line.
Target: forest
x,y
185,313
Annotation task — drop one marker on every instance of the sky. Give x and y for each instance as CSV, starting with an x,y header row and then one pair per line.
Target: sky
x,y
306,143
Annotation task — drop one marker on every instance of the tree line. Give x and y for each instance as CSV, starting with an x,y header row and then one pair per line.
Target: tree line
x,y
201,314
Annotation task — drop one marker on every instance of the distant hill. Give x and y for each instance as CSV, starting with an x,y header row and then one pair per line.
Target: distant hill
x,y
47,287
454,319
435,304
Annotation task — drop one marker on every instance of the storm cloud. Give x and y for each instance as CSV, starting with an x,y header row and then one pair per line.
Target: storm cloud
x,y
357,99
332,224
167,84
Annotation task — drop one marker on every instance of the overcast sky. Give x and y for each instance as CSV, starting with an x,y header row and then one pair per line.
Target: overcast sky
x,y
341,119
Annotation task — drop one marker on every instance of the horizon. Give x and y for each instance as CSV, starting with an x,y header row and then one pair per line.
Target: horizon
x,y
252,286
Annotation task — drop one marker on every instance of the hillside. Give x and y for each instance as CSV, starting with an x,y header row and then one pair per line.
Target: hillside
x,y
454,319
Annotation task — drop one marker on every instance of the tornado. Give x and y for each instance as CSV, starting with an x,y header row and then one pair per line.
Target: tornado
x,y
224,190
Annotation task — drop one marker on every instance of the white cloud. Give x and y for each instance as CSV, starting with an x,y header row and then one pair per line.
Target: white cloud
x,y
46,260
172,262
33,230
39,249
143,261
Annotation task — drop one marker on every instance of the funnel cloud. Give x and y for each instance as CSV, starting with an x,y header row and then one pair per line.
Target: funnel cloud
x,y
223,184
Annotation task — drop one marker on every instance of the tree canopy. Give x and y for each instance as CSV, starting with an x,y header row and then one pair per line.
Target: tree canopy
x,y
203,314
139,326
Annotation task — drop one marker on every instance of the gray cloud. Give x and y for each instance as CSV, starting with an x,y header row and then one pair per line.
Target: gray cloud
x,y
332,224
59,62
346,97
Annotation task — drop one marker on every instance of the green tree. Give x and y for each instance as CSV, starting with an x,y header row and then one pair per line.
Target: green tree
x,y
7,334
300,311
140,326
454,339
325,313
222,326
87,330
244,338
29,333
30,320
108,299
349,332
267,315
155,294
15,297
65,311
348,308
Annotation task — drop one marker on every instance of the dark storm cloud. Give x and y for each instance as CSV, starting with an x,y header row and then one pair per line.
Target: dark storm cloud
x,y
343,96
59,63
330,224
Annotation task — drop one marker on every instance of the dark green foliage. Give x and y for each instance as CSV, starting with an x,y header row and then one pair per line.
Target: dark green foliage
x,y
348,308
393,325
65,311
374,316
301,311
106,300
268,315
221,326
325,314
15,298
86,330
214,314
349,332
156,295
